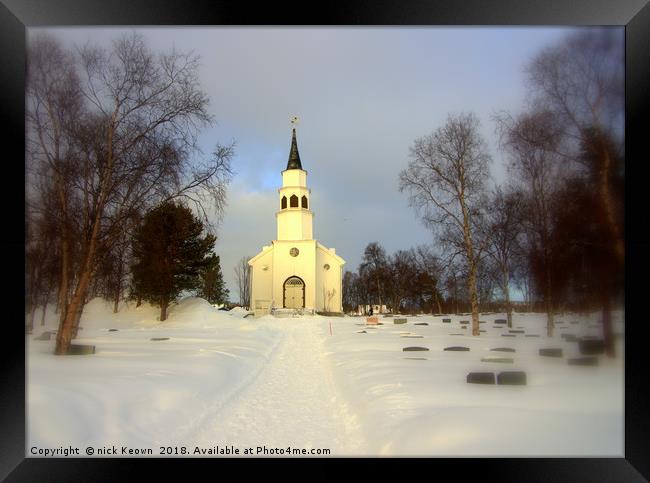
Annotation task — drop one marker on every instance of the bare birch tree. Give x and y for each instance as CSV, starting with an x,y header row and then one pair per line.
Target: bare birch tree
x,y
131,119
243,279
446,181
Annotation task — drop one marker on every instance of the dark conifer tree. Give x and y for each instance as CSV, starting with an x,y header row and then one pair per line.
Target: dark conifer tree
x,y
213,288
169,254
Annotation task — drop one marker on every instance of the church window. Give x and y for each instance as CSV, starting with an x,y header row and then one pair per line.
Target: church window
x,y
284,202
304,202
293,201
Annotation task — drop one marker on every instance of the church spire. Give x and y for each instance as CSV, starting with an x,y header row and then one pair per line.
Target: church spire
x,y
294,156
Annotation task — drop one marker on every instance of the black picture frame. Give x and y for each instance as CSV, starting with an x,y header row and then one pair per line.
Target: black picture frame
x,y
16,15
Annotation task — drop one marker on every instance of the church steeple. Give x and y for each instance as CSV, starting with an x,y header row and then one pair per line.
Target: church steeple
x,y
294,156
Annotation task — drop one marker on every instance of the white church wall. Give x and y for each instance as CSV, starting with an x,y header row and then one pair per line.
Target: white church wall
x,y
262,284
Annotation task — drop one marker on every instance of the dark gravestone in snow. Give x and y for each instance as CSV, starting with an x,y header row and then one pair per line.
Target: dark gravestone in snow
x,y
591,346
514,331
480,378
412,336
508,335
361,332
159,338
81,349
421,323
503,349
464,322
112,330
500,321
446,321
569,337
481,330
399,321
414,348
457,349
512,378
551,352
583,361
416,358
481,321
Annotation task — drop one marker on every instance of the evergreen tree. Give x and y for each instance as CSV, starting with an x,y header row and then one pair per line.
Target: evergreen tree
x,y
213,288
169,254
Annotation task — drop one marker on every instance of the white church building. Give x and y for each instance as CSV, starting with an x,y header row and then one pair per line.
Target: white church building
x,y
295,271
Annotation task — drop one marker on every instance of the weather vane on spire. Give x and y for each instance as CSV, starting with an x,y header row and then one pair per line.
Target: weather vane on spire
x,y
294,120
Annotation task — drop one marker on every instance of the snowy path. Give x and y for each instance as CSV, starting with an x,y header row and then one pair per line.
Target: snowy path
x,y
292,403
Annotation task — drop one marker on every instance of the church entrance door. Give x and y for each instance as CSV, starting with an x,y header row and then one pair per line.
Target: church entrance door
x,y
294,293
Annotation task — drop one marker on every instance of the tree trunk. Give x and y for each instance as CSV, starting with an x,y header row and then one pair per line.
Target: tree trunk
x,y
437,299
608,336
474,301
164,302
550,324
605,197
43,313
138,301
506,290
30,319
73,314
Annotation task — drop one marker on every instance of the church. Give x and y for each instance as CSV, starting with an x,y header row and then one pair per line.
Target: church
x,y
295,271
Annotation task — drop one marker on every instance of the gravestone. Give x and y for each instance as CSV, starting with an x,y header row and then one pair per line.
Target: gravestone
x,y
464,322
457,349
412,336
512,378
361,332
112,330
569,337
515,331
399,321
44,336
481,330
551,352
481,321
503,349
159,338
591,346
416,358
500,321
532,335
508,335
480,378
446,321
583,361
414,348
506,360
372,320
81,349
421,323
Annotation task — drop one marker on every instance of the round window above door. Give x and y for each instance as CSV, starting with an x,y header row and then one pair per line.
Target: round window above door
x,y
294,252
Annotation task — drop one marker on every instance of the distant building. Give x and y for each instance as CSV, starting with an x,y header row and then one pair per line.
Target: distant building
x,y
295,271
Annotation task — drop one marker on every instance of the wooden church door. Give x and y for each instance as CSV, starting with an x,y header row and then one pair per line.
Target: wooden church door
x,y
294,293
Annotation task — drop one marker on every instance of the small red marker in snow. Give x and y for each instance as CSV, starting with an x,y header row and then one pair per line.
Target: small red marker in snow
x,y
330,328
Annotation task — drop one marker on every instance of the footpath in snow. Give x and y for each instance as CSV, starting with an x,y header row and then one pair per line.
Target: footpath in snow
x,y
293,402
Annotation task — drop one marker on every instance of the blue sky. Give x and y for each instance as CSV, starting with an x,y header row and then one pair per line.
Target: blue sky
x,y
362,94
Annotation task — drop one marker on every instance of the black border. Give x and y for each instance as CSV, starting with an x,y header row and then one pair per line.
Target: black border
x,y
15,15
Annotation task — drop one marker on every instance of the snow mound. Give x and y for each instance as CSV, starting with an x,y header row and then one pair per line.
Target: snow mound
x,y
98,313
194,312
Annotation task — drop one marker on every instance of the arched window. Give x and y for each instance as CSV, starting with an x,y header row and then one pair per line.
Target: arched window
x,y
284,202
304,202
293,201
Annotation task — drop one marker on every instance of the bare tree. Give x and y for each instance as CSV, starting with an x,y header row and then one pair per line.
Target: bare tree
x,y
581,81
531,140
374,268
131,118
243,279
503,225
446,183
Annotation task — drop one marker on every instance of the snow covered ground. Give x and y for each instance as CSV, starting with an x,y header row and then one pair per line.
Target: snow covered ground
x,y
223,380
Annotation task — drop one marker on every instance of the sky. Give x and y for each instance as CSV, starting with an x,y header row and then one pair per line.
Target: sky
x,y
363,95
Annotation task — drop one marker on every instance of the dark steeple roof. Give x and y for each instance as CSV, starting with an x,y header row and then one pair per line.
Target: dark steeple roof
x,y
294,157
